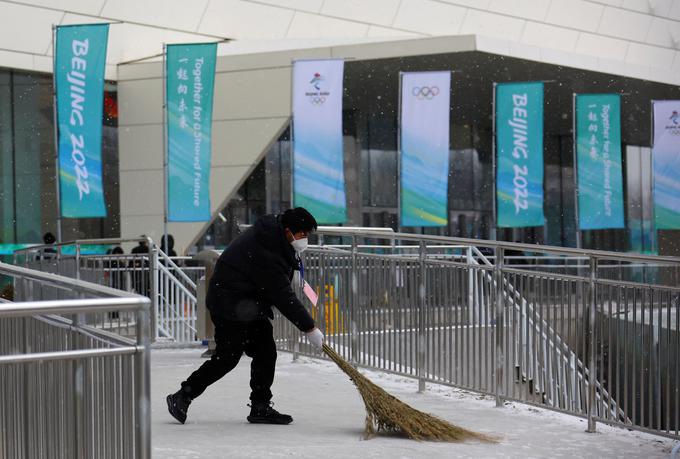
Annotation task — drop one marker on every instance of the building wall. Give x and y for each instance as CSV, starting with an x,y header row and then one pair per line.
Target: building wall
x,y
637,38
251,109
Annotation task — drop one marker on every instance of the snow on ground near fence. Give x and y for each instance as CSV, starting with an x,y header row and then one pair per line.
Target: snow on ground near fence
x,y
329,419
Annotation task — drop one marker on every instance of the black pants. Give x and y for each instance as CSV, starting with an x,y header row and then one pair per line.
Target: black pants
x,y
233,339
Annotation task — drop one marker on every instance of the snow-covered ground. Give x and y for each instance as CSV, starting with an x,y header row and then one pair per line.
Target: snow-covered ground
x,y
329,419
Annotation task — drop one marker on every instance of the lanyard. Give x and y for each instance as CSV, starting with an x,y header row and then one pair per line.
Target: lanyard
x,y
302,271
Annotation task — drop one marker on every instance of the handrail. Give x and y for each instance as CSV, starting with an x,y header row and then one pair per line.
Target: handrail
x,y
63,282
68,355
171,265
601,254
100,241
338,229
183,287
102,336
353,229
30,308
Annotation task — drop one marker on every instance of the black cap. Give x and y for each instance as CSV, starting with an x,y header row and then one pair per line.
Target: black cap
x,y
298,219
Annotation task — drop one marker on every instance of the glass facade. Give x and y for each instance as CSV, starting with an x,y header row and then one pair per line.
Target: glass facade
x,y
27,164
370,125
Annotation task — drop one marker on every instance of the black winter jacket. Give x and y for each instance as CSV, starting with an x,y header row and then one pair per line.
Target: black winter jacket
x,y
253,274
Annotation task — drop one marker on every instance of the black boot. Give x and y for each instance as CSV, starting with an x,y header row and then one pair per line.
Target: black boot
x,y
178,404
264,413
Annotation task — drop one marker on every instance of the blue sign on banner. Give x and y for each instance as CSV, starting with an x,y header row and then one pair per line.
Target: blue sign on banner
x,y
318,170
190,83
425,100
519,155
79,74
598,151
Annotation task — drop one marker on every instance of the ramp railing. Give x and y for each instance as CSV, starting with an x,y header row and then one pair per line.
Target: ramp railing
x,y
554,328
563,385
176,313
150,273
70,389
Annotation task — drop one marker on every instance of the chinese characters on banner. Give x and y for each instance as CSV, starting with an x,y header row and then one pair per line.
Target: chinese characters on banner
x,y
189,92
598,151
519,154
79,75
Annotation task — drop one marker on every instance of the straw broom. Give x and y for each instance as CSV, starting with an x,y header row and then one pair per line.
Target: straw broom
x,y
385,413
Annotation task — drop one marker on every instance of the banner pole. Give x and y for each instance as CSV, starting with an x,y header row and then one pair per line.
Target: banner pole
x,y
165,152
291,128
652,223
579,234
56,130
399,164
494,228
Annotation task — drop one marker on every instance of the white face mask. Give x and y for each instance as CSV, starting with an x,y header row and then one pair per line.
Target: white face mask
x,y
300,245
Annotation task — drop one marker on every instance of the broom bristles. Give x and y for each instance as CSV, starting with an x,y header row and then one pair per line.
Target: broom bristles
x,y
386,413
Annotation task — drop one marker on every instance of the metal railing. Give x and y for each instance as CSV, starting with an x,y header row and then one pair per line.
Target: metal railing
x,y
176,313
188,266
70,389
152,274
452,311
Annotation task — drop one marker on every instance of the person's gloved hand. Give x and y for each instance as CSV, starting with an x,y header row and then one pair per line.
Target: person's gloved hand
x,y
315,338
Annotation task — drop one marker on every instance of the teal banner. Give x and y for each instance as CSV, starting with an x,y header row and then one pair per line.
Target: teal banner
x,y
598,155
92,249
190,83
8,249
79,67
519,155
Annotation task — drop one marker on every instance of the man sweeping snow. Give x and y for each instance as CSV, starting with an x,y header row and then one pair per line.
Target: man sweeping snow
x,y
253,274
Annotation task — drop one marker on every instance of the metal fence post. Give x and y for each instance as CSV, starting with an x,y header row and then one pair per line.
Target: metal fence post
x,y
498,326
153,279
294,343
26,388
354,289
321,303
79,375
592,346
143,389
77,261
421,343
471,279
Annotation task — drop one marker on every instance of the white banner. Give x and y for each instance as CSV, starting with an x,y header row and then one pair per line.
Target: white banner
x,y
666,164
318,170
425,101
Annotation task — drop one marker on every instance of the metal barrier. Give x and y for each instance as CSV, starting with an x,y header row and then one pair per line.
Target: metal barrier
x,y
70,389
597,339
189,267
152,274
176,305
452,311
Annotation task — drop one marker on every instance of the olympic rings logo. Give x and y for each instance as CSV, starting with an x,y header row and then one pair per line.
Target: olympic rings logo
x,y
674,132
426,92
317,100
